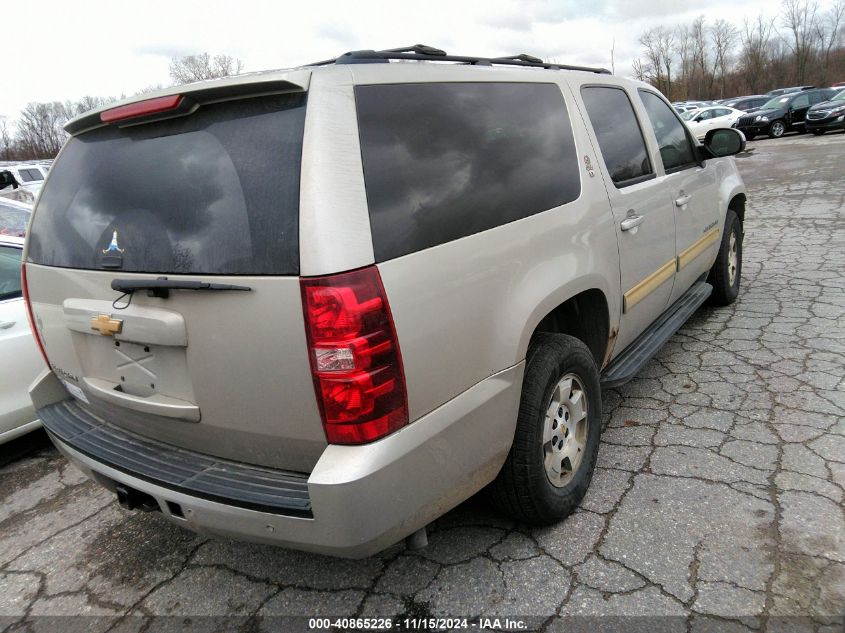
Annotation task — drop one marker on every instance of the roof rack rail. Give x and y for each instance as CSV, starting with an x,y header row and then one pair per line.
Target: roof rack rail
x,y
421,52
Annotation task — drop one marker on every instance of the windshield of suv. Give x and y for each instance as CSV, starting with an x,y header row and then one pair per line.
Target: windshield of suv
x,y
216,192
777,102
839,96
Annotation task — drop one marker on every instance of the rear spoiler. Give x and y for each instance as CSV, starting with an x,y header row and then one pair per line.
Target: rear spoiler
x,y
186,99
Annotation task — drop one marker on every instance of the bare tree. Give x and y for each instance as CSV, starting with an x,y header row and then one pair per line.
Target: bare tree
x,y
658,43
683,50
755,38
40,129
723,35
639,70
829,34
699,59
799,17
5,139
191,68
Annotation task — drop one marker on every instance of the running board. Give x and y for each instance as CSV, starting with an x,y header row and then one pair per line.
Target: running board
x,y
628,363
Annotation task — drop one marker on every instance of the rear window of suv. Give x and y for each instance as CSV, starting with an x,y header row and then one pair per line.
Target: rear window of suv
x,y
215,192
447,160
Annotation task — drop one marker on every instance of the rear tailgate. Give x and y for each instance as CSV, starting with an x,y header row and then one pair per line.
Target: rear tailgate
x,y
210,196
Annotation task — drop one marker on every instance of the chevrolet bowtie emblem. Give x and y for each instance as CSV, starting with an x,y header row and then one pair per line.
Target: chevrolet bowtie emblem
x,y
106,325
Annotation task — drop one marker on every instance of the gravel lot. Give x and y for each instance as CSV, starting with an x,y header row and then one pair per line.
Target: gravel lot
x,y
717,504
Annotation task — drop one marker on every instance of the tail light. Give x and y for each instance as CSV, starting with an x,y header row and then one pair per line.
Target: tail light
x,y
31,316
355,357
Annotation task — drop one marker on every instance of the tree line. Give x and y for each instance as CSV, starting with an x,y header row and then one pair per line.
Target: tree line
x,y
38,133
801,45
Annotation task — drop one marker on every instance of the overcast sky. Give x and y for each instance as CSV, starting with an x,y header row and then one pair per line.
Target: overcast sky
x,y
70,48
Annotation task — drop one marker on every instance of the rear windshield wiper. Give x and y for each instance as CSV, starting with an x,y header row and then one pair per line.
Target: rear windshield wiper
x,y
162,286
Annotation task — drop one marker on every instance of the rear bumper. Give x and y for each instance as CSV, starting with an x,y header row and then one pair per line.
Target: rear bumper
x,y
361,499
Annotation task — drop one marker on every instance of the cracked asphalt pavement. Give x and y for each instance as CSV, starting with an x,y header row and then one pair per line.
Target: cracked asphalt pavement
x,y
717,503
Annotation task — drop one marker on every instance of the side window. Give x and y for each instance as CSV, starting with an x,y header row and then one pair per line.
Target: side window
x,y
707,114
722,112
801,101
24,175
818,97
10,273
618,133
446,160
676,149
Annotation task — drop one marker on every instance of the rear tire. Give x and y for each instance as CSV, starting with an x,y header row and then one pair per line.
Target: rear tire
x,y
726,273
553,454
777,129
817,132
749,136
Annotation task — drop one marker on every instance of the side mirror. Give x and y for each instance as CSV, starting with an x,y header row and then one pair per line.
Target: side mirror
x,y
7,178
724,142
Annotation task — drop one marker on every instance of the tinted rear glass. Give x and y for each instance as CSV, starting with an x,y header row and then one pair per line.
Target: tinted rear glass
x,y
447,160
215,192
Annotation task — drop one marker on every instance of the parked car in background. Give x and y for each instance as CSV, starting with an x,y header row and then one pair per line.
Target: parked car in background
x,y
680,108
782,91
14,217
11,189
20,360
827,115
703,120
748,103
29,176
463,214
782,114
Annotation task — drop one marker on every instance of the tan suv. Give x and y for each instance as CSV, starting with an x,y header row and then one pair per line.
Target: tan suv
x,y
321,307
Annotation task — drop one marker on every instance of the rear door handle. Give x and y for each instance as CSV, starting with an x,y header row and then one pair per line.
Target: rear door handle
x,y
683,200
631,222
6,325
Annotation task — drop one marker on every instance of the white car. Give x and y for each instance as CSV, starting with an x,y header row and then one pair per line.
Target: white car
x,y
703,120
29,176
21,360
14,217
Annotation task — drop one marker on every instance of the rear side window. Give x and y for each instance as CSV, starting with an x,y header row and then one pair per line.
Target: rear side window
x,y
676,149
447,160
215,192
801,101
620,138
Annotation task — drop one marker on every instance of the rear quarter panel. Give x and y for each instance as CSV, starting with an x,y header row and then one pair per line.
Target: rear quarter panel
x,y
466,309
